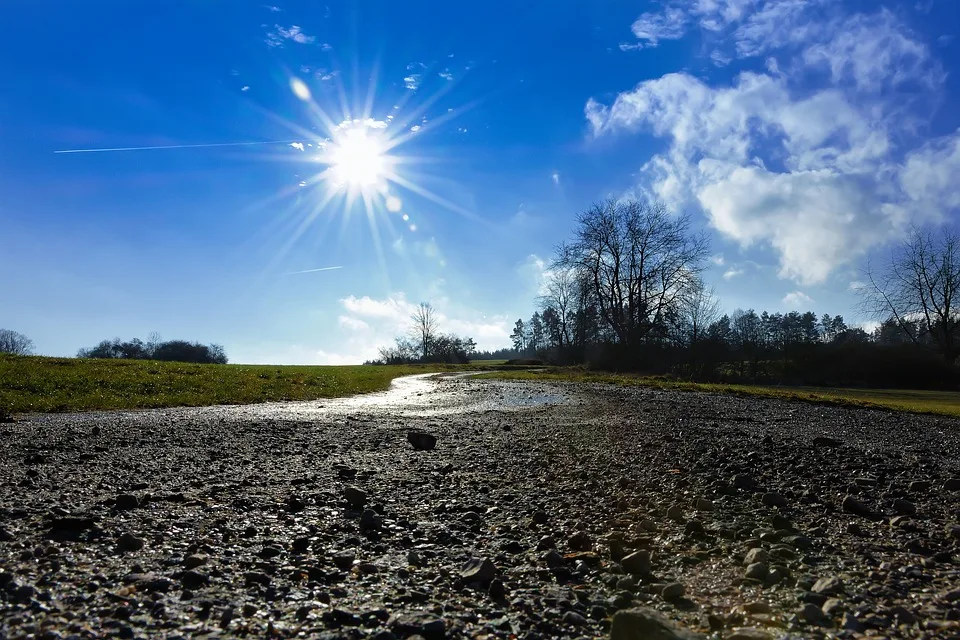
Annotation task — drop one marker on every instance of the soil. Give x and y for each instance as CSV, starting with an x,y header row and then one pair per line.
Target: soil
x,y
540,512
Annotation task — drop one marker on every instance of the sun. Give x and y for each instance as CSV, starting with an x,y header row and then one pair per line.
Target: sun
x,y
358,160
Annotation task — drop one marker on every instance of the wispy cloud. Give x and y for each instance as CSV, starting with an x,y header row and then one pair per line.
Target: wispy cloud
x,y
797,300
732,273
278,35
293,273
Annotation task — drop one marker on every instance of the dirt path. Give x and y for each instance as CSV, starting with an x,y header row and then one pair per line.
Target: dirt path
x,y
542,511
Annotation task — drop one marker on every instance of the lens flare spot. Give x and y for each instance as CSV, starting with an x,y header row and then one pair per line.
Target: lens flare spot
x,y
393,204
357,160
300,89
413,227
406,217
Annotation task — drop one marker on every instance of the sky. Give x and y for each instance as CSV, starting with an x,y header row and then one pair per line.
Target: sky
x,y
399,152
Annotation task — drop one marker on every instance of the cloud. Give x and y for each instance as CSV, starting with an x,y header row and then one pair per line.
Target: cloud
x,y
352,323
820,161
245,88
297,145
651,28
796,300
555,176
718,259
279,35
732,273
412,81
446,74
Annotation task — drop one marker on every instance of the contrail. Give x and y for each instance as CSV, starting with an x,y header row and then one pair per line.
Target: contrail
x,y
177,146
293,273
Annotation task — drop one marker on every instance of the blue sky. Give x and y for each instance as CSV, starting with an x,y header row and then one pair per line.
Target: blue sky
x,y
802,135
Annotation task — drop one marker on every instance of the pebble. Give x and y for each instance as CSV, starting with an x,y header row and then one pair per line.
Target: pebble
x,y
743,481
355,496
812,614
755,555
758,571
646,624
421,440
370,520
127,502
702,504
129,542
830,586
854,506
545,543
637,563
676,513
673,591
194,561
904,507
573,618
194,580
773,499
580,541
479,570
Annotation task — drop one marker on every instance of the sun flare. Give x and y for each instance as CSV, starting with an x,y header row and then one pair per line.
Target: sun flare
x,y
358,160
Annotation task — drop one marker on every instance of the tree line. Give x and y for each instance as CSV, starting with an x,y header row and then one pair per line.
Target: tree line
x,y
156,349
425,343
626,293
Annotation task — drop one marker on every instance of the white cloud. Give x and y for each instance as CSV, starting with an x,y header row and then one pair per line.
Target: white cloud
x,y
446,74
650,28
797,301
412,81
245,88
555,176
718,259
297,145
352,323
732,273
820,172
278,35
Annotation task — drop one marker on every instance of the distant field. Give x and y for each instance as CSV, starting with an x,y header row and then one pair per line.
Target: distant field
x,y
35,384
936,402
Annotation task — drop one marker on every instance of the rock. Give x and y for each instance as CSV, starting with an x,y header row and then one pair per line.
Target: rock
x,y
694,528
832,586
355,496
758,571
675,513
270,552
580,541
546,542
854,506
421,440
773,499
497,590
743,481
300,545
127,502
71,524
832,607
194,561
194,579
748,633
812,614
129,542
953,530
295,504
646,624
370,520
478,570
755,555
854,529
422,624
904,507
702,504
759,606
553,559
344,560
539,517
617,550
953,484
851,623
5,535
256,578
673,591
574,619
920,486
637,563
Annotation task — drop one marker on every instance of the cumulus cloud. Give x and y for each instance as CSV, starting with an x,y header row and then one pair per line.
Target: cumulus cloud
x,y
797,300
732,273
821,164
278,35
651,28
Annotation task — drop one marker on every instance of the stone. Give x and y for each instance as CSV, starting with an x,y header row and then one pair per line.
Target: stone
x,y
823,442
574,619
702,504
812,614
129,542
757,571
743,481
675,513
478,570
953,530
673,591
194,561
953,484
832,607
756,555
127,502
748,633
773,499
904,507
920,486
344,560
694,528
580,541
270,552
355,496
194,579
759,606
409,625
256,578
421,440
497,590
637,563
370,520
545,543
300,545
5,535
854,506
646,624
831,586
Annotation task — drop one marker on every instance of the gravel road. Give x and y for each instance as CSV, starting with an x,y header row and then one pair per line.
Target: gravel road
x,y
542,511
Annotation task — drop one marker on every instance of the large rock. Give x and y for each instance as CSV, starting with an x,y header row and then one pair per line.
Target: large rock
x,y
646,624
355,496
637,563
478,570
421,440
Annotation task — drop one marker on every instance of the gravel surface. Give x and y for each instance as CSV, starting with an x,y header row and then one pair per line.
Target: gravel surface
x,y
451,507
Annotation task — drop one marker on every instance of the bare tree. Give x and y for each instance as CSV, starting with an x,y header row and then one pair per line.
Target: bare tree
x,y
560,294
699,309
639,261
920,283
424,327
15,343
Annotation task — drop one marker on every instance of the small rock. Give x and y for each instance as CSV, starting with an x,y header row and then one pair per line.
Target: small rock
x,y
646,624
756,555
694,528
748,633
355,496
953,530
759,606
953,484
127,501
854,506
904,507
580,541
194,561
5,536
854,529
812,614
269,552
478,570
129,542
822,442
574,619
702,504
758,571
832,607
675,513
370,520
344,560
673,591
831,586
920,486
300,545
421,440
539,517
256,578
417,624
743,481
546,542
194,579
773,499
637,563
497,590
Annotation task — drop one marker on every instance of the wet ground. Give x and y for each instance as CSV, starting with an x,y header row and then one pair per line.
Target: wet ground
x,y
541,512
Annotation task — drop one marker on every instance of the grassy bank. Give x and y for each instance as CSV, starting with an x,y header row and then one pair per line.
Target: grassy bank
x,y
936,402
32,384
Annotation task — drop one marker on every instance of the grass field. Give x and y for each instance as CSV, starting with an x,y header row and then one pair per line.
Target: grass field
x,y
32,384
935,402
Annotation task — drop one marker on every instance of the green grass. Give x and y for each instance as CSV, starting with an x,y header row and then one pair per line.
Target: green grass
x,y
915,401
38,384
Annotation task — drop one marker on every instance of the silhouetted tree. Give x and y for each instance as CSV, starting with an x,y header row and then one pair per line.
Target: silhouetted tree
x,y
519,336
15,343
424,327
